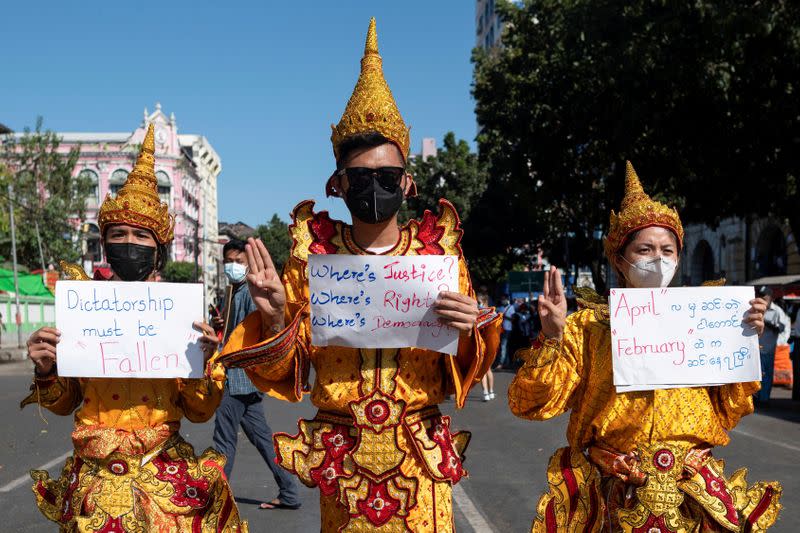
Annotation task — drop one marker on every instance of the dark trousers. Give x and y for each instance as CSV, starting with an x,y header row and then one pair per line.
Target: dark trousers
x,y
247,410
767,373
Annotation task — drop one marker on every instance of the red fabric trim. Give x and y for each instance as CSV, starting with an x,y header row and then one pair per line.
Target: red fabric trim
x,y
323,230
550,518
569,479
225,514
48,496
430,234
721,493
760,509
594,510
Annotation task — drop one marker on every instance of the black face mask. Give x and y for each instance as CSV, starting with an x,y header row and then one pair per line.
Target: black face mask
x,y
131,262
373,203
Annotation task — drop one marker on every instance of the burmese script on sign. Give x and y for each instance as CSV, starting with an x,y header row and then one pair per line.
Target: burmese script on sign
x,y
375,301
117,329
682,337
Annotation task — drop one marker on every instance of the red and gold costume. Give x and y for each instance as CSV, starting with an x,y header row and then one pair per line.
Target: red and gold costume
x,y
131,470
383,456
637,461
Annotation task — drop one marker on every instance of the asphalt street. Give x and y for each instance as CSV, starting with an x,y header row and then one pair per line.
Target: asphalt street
x,y
506,460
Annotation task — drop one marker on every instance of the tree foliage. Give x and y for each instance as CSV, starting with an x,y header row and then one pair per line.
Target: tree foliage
x,y
46,195
698,95
275,235
454,173
179,272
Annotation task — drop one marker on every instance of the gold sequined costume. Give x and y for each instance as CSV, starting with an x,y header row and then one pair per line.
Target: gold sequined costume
x,y
131,471
382,455
637,461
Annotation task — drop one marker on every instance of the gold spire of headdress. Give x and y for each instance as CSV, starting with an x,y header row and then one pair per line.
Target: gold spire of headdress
x,y
639,211
137,202
371,106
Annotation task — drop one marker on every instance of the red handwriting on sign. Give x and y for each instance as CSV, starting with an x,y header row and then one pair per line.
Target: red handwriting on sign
x,y
114,362
422,272
632,312
634,346
434,325
406,302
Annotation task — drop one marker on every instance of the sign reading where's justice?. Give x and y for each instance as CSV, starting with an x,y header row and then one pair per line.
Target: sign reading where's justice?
x,y
118,329
688,336
376,301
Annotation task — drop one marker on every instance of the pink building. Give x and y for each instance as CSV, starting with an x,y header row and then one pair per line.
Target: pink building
x,y
187,168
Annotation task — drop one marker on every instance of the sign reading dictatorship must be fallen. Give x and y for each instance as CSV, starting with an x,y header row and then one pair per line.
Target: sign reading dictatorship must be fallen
x,y
376,301
117,329
684,337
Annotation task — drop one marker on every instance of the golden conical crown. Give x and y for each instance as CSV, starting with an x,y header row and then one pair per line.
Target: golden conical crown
x,y
371,107
137,202
638,211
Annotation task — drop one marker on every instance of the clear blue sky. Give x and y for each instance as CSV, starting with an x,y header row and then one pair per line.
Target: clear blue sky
x,y
262,81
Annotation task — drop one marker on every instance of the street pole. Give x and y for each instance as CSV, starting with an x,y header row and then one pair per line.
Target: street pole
x,y
41,254
14,262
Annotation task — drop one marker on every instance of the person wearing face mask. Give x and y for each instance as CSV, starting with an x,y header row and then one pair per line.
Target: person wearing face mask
x,y
131,470
636,461
242,405
381,453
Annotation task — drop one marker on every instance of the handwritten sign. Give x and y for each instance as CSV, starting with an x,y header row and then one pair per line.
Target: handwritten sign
x,y
117,329
682,337
379,301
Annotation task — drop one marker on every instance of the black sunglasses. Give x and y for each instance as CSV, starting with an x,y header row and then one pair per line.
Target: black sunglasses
x,y
360,178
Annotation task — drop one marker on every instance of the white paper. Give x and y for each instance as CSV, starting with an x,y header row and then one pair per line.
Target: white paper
x,y
376,301
682,337
119,329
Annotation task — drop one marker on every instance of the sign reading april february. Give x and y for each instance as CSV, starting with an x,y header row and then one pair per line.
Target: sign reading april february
x,y
117,329
689,336
376,301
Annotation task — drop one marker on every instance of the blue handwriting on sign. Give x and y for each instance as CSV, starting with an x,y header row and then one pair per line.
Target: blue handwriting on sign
x,y
330,297
135,304
328,321
329,272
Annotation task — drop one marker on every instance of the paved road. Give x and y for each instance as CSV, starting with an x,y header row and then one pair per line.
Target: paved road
x,y
506,460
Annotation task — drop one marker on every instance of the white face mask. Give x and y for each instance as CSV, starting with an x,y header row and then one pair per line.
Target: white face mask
x,y
651,273
235,272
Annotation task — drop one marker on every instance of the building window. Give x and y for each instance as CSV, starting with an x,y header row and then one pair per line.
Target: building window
x,y
93,251
92,176
164,187
117,180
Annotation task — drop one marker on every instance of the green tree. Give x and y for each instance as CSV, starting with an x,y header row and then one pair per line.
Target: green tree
x,y
699,95
275,235
453,173
179,272
48,199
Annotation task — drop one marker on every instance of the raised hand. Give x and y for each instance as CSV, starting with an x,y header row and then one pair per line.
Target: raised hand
x,y
553,305
42,349
265,284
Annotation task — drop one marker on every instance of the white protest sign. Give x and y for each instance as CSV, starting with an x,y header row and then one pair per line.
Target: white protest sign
x,y
119,329
682,337
376,301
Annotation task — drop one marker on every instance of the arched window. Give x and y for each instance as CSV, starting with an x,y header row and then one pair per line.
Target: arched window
x,y
94,197
164,187
117,180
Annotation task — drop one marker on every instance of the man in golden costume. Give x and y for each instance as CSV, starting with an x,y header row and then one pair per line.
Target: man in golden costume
x,y
382,455
131,470
636,461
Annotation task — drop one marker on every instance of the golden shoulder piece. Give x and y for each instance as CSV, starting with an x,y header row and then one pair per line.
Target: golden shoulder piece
x,y
137,202
371,107
73,271
638,211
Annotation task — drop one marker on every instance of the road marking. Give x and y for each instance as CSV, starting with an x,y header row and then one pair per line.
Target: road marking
x,y
470,512
27,478
770,441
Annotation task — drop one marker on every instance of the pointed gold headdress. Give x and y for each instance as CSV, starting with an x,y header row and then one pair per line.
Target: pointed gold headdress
x,y
639,211
371,107
137,202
